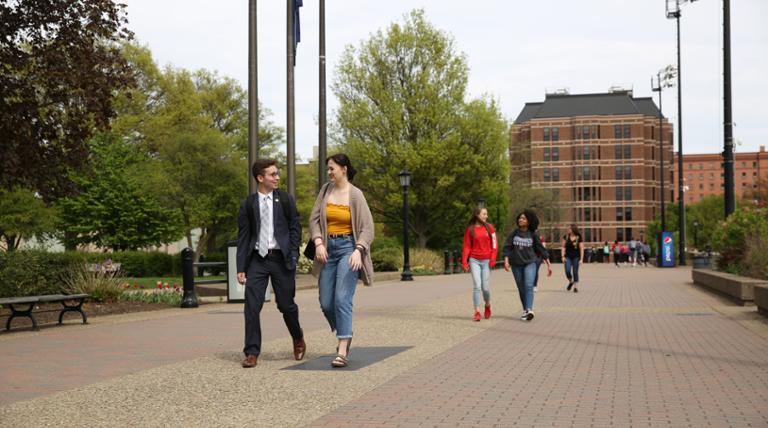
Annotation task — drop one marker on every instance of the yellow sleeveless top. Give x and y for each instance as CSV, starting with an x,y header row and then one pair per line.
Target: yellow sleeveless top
x,y
339,219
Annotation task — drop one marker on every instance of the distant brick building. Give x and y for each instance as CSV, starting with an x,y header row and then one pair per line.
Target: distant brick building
x,y
599,153
703,174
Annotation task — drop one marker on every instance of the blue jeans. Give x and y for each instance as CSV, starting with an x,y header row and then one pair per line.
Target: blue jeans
x,y
481,273
524,277
572,269
337,286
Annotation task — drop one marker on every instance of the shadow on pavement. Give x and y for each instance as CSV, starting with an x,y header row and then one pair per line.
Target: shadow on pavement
x,y
359,357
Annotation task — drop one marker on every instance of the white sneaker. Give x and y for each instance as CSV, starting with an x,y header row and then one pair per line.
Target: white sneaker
x,y
524,317
529,316
535,289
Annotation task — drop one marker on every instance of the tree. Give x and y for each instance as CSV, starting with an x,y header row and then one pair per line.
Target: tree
x,y
61,65
23,214
402,104
193,126
112,209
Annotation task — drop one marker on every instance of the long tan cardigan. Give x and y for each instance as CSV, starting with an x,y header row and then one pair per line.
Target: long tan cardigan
x,y
362,227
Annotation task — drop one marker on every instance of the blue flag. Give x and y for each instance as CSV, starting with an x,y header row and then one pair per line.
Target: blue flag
x,y
296,27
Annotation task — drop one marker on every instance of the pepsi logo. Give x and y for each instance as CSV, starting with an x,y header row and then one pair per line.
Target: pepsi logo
x,y
668,240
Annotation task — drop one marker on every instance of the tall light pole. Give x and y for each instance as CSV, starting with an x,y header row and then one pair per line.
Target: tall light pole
x,y
673,12
663,80
405,183
730,195
253,96
322,141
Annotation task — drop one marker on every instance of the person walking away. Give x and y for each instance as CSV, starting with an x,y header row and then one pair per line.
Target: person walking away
x,y
633,251
341,227
572,252
478,255
646,253
606,252
520,249
268,238
616,248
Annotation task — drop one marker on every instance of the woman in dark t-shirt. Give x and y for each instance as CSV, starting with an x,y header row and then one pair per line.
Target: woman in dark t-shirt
x,y
572,250
521,249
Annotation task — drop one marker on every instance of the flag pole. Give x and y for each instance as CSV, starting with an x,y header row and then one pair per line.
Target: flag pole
x,y
322,150
290,128
253,95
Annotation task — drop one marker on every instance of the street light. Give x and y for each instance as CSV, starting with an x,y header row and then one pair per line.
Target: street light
x,y
673,12
663,80
405,182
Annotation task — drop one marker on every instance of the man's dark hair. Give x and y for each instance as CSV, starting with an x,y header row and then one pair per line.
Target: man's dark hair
x,y
260,165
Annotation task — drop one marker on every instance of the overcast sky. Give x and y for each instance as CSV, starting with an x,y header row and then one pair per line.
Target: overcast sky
x,y
516,51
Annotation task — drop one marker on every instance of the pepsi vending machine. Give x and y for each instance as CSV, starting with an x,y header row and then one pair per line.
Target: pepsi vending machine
x,y
666,250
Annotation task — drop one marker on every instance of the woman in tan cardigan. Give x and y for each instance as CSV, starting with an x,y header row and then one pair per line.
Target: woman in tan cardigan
x,y
341,226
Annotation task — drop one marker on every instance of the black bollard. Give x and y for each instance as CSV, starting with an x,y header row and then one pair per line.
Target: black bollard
x,y
457,262
447,260
189,300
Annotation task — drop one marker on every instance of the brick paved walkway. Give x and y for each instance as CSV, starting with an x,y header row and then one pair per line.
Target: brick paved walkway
x,y
635,347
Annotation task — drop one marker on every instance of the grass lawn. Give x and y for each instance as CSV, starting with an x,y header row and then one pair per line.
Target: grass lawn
x,y
151,282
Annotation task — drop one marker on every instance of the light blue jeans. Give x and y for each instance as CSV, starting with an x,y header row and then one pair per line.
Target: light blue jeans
x,y
481,275
524,277
572,269
337,286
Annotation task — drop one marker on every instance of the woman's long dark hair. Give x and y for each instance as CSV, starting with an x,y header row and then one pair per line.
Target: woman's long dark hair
x,y
475,219
574,230
533,220
343,160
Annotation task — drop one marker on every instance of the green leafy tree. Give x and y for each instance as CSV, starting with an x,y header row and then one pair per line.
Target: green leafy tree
x,y
402,104
193,126
112,209
23,214
61,65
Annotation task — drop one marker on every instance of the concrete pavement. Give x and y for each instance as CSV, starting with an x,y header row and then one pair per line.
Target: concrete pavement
x,y
635,347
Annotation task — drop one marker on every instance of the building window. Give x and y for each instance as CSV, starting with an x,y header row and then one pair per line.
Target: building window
x,y
618,150
619,214
546,134
585,132
588,235
619,234
555,134
555,174
555,153
587,173
628,214
617,132
627,131
627,152
547,176
627,172
619,193
627,193
578,153
619,173
546,153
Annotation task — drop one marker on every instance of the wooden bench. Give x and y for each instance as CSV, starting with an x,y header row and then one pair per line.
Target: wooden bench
x,y
28,304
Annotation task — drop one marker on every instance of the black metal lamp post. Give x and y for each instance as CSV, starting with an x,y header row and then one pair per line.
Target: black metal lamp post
x,y
481,202
663,80
405,183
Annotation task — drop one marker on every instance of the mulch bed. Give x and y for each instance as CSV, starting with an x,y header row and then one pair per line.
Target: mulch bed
x,y
47,314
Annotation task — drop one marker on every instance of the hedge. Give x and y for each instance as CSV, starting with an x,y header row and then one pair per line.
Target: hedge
x,y
27,273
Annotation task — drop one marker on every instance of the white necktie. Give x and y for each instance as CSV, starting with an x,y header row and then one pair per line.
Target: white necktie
x,y
266,228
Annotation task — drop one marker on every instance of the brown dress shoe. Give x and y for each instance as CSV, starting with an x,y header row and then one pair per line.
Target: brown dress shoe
x,y
249,361
299,349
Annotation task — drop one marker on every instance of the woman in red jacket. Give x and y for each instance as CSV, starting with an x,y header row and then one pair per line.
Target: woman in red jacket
x,y
479,255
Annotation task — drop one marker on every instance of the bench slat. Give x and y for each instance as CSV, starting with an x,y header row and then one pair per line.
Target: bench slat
x,y
19,300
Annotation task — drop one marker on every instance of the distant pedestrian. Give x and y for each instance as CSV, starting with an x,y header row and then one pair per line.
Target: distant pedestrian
x,y
520,251
478,255
646,253
606,252
633,251
572,252
616,249
341,227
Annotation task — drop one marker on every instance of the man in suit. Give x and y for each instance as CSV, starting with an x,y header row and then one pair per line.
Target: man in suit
x,y
268,240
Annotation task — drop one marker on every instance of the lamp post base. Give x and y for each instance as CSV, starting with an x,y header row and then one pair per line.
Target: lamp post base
x,y
406,276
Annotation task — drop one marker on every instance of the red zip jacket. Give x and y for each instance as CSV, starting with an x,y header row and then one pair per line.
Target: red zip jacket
x,y
481,247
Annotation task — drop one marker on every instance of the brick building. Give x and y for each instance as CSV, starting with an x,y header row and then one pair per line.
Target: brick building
x,y
703,174
599,155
